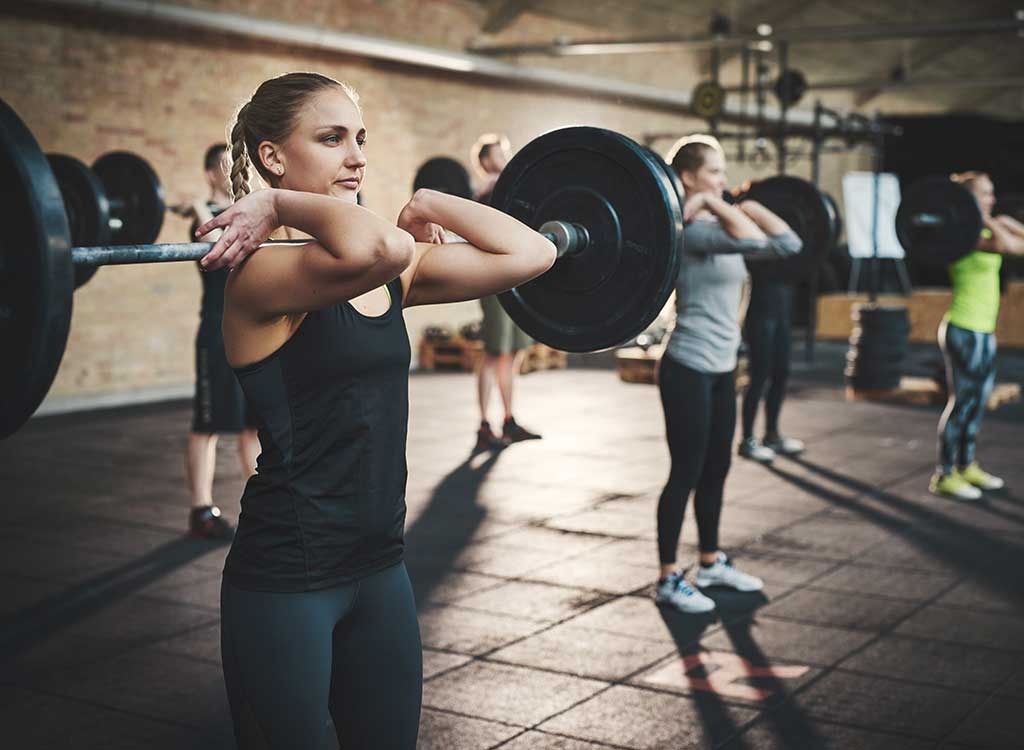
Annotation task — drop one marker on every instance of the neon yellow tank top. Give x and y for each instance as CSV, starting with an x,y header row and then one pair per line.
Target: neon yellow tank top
x,y
975,281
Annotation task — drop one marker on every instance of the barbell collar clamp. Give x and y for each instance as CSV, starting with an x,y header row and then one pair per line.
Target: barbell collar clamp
x,y
568,238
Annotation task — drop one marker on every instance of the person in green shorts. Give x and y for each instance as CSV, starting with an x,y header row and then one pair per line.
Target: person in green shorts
x,y
505,344
968,343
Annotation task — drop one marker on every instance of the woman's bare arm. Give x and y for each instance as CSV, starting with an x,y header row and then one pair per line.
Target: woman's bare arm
x,y
499,251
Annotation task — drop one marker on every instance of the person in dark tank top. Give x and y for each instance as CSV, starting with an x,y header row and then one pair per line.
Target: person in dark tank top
x,y
218,406
317,614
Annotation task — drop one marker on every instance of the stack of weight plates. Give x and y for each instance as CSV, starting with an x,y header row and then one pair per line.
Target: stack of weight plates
x,y
878,345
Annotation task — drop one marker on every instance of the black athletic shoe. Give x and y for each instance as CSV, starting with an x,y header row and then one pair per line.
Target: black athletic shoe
x,y
486,440
207,522
513,433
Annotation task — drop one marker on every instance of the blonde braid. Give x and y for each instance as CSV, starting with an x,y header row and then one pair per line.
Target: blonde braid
x,y
239,159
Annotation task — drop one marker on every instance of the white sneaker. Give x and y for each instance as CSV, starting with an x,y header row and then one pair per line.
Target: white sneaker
x,y
755,451
722,573
784,445
676,592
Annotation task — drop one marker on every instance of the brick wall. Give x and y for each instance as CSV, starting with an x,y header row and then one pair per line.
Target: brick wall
x,y
87,84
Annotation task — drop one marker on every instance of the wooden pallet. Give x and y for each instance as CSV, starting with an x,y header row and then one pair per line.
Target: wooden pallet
x,y
543,357
925,309
636,365
456,353
927,392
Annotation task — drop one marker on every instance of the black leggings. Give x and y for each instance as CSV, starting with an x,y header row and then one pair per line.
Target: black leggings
x,y
353,650
767,333
700,420
970,376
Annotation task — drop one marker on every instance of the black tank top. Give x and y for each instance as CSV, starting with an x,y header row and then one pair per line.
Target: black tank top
x,y
327,503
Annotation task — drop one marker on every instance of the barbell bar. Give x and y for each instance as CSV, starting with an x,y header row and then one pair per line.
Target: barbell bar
x,y
38,263
567,239
610,207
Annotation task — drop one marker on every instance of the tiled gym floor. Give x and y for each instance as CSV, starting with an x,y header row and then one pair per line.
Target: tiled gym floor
x,y
891,618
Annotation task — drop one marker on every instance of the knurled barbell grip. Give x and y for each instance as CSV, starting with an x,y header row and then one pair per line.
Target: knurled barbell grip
x,y
119,255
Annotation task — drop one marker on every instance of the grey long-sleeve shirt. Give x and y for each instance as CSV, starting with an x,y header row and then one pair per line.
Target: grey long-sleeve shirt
x,y
707,333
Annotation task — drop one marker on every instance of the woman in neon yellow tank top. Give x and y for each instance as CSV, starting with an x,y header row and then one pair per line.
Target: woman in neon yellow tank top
x,y
968,342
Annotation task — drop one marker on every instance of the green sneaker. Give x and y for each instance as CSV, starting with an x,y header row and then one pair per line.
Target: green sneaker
x,y
981,478
953,485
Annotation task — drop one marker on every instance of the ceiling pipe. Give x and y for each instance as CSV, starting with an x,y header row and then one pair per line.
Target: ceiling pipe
x,y
566,46
908,83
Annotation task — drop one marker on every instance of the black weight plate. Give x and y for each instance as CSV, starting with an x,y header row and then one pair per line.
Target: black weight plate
x,y
894,344
36,274
707,100
938,221
86,206
805,208
880,314
613,289
136,197
677,183
445,175
790,87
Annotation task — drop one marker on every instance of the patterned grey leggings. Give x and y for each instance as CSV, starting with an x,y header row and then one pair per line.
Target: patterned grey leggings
x,y
970,376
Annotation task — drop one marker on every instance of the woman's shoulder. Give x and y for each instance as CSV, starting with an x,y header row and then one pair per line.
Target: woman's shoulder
x,y
251,281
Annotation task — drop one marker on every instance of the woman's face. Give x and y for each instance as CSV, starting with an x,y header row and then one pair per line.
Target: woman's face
x,y
324,153
984,192
709,178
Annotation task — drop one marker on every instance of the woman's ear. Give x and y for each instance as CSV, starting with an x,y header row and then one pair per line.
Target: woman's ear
x,y
271,158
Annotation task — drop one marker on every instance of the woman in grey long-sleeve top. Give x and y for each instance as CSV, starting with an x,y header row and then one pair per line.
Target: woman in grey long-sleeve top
x,y
696,377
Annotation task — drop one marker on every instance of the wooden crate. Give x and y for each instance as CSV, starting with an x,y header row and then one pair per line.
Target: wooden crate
x,y
543,357
636,365
456,353
928,392
925,309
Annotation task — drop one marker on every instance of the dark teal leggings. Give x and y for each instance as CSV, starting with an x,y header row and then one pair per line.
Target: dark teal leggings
x,y
970,377
352,652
